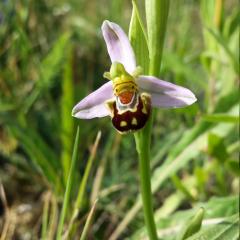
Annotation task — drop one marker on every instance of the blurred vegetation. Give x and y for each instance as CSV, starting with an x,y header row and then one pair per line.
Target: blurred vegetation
x,y
51,55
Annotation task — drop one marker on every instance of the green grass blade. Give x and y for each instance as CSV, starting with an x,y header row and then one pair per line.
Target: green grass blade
x,y
42,156
45,216
88,222
82,187
218,117
67,121
49,67
68,188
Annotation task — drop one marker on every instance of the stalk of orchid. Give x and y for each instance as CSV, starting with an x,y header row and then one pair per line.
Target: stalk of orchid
x,y
128,98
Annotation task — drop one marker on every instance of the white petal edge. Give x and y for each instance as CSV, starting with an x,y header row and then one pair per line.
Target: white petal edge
x,y
165,94
93,105
118,45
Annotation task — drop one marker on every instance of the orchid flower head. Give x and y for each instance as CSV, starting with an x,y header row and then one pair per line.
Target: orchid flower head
x,y
128,96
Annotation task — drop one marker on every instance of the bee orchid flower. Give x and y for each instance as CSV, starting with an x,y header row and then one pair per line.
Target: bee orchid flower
x,y
128,96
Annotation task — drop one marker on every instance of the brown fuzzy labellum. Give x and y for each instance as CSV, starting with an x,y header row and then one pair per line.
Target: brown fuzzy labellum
x,y
131,119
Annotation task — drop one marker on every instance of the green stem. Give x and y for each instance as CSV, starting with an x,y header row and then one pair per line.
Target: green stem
x,y
143,139
156,16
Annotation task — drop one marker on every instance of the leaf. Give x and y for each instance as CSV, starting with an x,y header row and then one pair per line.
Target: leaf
x,y
218,207
182,187
192,226
216,147
221,117
49,67
226,230
169,223
207,11
138,39
156,15
232,23
234,167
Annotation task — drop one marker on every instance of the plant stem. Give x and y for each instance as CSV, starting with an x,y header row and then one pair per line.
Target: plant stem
x,y
151,45
142,139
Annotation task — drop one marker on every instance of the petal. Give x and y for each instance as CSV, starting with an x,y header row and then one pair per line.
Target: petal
x,y
165,94
118,45
94,104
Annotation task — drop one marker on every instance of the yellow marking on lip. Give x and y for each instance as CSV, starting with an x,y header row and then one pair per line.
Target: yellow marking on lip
x,y
134,121
109,104
144,110
123,124
127,83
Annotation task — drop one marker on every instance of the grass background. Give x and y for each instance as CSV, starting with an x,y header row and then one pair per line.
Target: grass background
x,y
52,54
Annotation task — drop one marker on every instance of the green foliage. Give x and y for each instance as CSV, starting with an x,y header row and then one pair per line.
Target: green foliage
x,y
192,226
88,222
67,124
216,147
156,18
138,39
228,228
